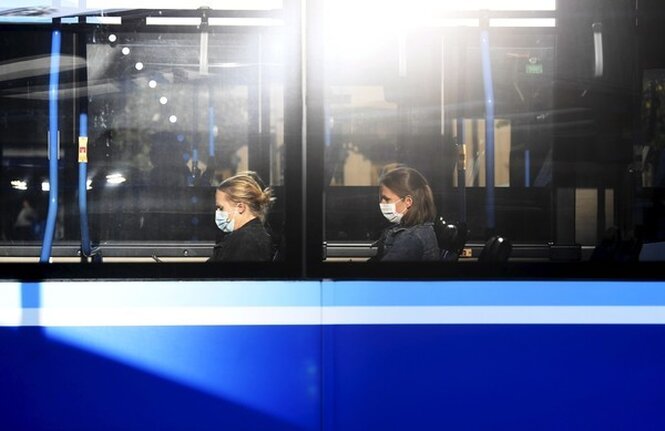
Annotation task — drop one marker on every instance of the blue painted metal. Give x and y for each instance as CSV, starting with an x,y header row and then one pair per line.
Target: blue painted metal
x,y
168,378
384,377
492,293
499,377
86,249
332,376
54,79
489,128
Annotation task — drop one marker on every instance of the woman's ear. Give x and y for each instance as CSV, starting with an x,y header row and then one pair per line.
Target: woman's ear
x,y
241,208
408,201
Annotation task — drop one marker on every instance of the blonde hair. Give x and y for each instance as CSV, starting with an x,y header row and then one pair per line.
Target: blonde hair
x,y
247,187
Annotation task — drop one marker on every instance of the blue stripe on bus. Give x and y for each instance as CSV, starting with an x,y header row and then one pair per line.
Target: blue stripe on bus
x,y
333,294
488,293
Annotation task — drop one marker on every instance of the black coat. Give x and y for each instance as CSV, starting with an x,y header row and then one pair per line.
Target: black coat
x,y
250,243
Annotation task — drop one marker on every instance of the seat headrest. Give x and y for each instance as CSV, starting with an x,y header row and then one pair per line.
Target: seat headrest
x,y
497,249
450,236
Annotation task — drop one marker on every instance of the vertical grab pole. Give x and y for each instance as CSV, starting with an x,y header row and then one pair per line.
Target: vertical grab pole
x,y
86,249
53,147
489,127
461,138
461,170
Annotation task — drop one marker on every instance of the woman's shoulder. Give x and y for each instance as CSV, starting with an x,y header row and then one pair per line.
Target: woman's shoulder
x,y
400,230
255,227
427,226
423,229
423,235
420,233
254,233
249,243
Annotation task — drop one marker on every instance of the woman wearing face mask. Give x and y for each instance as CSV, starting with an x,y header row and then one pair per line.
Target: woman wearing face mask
x,y
242,205
406,201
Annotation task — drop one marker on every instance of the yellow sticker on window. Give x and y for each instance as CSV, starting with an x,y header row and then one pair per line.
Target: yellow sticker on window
x,y
83,149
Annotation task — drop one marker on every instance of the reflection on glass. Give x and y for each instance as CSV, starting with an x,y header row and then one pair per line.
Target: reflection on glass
x,y
171,115
406,85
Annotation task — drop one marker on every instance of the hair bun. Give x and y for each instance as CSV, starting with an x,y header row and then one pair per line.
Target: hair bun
x,y
267,197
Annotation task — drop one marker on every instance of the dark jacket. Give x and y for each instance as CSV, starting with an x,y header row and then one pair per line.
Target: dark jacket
x,y
250,243
412,243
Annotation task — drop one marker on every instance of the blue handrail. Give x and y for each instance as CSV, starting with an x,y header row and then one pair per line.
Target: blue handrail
x,y
86,249
54,147
489,128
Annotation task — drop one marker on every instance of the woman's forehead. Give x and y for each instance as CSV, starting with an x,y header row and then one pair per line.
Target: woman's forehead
x,y
220,196
385,191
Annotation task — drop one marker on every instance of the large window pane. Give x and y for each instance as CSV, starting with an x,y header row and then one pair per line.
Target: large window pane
x,y
171,113
416,86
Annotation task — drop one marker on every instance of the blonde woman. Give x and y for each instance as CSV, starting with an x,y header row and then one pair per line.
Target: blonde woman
x,y
242,205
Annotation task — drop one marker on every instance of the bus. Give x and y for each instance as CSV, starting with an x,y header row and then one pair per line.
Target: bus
x,y
536,126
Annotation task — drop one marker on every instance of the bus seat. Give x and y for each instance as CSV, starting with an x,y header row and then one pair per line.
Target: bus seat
x,y
450,238
497,249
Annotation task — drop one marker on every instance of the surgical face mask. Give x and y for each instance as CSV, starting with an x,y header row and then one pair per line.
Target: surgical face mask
x,y
223,221
389,211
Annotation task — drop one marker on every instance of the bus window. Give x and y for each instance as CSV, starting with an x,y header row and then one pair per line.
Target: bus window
x,y
163,112
551,176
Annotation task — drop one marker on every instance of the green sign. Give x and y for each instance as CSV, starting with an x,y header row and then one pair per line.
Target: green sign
x,y
534,69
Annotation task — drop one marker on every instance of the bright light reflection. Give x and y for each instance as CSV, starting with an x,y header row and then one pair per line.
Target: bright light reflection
x,y
179,4
10,303
394,15
227,65
357,29
125,51
522,22
19,185
163,100
173,119
278,374
455,5
272,369
46,187
537,5
115,179
162,20
454,22
242,22
88,184
139,66
152,83
104,20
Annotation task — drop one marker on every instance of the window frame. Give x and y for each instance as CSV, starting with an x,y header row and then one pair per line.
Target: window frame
x,y
303,182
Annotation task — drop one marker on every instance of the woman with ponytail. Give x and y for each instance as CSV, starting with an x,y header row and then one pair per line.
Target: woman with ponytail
x,y
406,201
242,206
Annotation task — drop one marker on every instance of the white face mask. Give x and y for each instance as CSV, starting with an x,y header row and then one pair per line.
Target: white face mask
x,y
223,221
389,211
